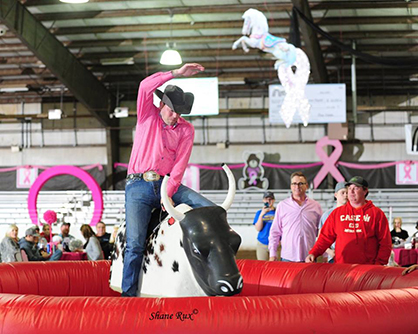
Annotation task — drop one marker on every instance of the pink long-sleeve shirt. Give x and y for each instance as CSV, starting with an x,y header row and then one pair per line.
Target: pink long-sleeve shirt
x,y
159,147
297,227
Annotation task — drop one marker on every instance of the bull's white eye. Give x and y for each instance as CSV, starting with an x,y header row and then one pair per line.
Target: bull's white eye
x,y
195,250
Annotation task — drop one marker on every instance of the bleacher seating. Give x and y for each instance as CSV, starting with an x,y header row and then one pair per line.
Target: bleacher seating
x,y
77,207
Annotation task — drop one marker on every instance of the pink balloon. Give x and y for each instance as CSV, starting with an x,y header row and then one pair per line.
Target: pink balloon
x,y
50,216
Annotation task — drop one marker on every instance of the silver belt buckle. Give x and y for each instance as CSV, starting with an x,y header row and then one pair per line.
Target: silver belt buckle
x,y
151,176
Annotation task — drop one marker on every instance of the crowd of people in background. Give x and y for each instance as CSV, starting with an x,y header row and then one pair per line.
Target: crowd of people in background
x,y
353,231
46,246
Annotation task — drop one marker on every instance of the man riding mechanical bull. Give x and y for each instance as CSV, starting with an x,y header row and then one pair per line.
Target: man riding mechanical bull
x,y
162,145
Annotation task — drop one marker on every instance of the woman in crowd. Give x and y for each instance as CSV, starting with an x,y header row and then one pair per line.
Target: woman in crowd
x,y
46,232
9,247
397,229
92,245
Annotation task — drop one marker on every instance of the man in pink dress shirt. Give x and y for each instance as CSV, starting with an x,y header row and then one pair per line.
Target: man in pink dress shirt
x,y
162,145
295,224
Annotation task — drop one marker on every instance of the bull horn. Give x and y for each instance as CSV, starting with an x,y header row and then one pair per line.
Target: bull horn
x,y
231,190
172,211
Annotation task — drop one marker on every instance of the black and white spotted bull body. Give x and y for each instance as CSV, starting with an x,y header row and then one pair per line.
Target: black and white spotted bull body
x,y
190,255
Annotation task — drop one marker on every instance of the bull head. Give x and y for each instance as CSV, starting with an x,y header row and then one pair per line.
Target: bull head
x,y
209,243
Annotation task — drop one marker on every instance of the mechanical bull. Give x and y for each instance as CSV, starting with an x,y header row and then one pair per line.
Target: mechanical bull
x,y
190,253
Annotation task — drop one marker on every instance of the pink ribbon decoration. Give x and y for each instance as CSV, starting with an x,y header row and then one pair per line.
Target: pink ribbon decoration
x,y
328,161
407,169
253,173
27,176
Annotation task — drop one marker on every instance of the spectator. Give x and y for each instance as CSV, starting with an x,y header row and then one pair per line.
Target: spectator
x,y
295,224
28,245
39,241
415,266
92,245
104,238
114,235
360,230
262,222
66,236
76,245
414,235
397,230
46,232
9,246
341,196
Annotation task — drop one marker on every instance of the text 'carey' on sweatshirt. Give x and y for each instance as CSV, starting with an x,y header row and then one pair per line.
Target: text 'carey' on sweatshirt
x,y
361,235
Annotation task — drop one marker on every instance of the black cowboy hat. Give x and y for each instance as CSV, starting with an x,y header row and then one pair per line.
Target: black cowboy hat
x,y
179,101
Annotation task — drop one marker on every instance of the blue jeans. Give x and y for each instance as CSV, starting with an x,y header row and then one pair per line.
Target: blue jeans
x,y
56,256
285,260
140,198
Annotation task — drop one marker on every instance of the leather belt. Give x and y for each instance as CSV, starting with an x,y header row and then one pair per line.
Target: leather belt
x,y
149,176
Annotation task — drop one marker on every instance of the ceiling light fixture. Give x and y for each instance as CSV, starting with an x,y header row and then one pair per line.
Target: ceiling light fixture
x,y
13,89
171,56
413,77
54,114
120,112
58,113
74,1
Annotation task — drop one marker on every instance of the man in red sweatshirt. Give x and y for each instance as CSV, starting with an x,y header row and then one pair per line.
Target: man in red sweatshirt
x,y
359,229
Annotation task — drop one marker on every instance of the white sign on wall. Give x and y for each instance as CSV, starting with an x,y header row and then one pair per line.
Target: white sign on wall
x,y
411,138
328,103
407,173
205,91
25,177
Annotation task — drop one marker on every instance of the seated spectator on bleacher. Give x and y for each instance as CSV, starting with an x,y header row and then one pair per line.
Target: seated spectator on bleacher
x,y
66,236
397,229
414,235
104,238
39,242
76,245
92,245
46,232
9,246
409,240
262,222
34,254
114,234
